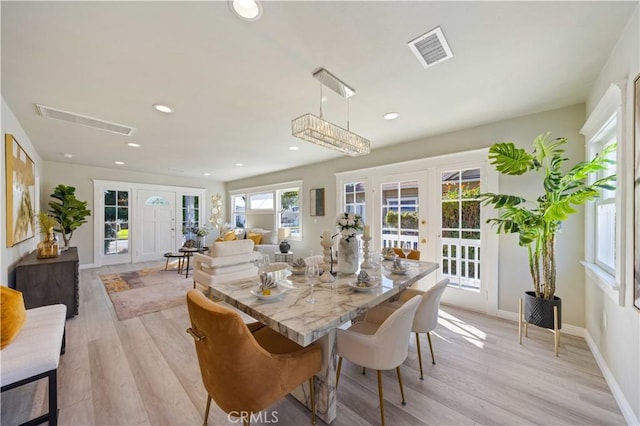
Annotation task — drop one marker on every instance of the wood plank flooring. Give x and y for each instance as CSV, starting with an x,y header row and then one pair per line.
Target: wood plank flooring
x,y
144,371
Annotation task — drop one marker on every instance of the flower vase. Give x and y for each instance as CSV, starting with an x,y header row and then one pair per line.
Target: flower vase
x,y
199,242
48,247
348,259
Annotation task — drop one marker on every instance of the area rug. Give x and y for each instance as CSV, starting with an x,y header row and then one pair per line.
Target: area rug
x,y
136,293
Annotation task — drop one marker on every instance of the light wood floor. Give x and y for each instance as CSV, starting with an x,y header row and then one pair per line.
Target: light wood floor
x,y
144,371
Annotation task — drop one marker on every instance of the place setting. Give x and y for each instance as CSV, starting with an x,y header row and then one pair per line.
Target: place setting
x,y
364,283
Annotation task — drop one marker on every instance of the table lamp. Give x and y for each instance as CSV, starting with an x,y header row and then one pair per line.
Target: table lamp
x,y
283,233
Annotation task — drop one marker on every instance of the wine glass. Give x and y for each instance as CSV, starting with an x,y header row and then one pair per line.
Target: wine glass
x,y
406,250
311,274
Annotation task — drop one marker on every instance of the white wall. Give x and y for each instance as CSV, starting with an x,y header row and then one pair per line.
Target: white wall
x,y
81,177
513,278
9,256
613,329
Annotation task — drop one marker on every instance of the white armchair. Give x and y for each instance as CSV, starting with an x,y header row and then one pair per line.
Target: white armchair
x,y
379,346
426,318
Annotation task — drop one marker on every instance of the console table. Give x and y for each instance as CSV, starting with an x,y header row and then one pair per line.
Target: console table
x,y
49,281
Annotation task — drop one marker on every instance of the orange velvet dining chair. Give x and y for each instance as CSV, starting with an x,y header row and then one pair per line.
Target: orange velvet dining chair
x,y
246,367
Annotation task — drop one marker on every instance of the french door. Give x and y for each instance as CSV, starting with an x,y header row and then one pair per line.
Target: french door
x,y
432,203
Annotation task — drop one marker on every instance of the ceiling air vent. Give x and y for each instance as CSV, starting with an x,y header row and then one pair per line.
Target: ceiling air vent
x,y
431,48
96,123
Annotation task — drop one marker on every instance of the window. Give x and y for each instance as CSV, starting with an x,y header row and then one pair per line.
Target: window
x,y
603,215
270,207
190,216
289,210
460,243
116,222
354,199
239,210
262,201
605,206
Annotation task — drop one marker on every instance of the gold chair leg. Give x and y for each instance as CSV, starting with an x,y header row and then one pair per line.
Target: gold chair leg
x,y
312,392
401,388
364,370
520,321
381,396
338,371
556,334
433,359
419,355
246,421
206,411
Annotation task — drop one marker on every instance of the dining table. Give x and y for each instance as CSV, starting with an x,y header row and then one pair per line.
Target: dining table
x,y
336,303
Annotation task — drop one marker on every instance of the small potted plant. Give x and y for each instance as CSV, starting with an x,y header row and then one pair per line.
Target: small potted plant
x,y
48,247
538,221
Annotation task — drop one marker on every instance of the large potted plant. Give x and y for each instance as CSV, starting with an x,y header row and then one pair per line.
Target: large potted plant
x,y
68,211
538,221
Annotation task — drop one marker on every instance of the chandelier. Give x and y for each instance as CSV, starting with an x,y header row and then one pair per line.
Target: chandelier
x,y
312,128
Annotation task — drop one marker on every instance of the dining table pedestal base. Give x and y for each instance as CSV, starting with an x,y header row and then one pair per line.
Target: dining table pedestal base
x,y
325,381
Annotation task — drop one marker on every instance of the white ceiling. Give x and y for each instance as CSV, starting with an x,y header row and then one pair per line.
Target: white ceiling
x,y
236,85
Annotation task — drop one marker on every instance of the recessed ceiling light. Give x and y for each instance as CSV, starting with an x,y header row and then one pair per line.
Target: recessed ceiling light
x,y
391,116
294,148
207,174
163,108
134,145
67,155
119,163
249,10
239,164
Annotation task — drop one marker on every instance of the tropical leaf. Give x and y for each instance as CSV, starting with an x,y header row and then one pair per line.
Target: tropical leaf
x,y
510,160
544,149
500,200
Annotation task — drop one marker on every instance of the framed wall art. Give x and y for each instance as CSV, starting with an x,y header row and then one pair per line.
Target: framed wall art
x,y
20,192
317,202
636,192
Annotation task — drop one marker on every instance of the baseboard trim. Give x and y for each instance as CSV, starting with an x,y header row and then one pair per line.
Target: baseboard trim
x,y
572,330
87,266
622,402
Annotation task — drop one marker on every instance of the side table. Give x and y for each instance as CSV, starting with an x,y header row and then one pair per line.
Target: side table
x,y
284,257
188,252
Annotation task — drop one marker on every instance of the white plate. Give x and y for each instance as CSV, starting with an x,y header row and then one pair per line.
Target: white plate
x,y
388,257
276,293
358,288
398,271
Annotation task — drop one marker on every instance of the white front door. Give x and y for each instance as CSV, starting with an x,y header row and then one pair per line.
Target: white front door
x,y
156,224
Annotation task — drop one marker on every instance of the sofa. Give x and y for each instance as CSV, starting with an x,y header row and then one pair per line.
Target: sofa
x,y
265,241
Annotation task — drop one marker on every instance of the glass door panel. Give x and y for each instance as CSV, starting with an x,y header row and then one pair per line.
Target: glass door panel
x,y
460,242
400,213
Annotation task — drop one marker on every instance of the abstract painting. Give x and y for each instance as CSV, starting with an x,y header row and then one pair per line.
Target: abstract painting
x,y
20,192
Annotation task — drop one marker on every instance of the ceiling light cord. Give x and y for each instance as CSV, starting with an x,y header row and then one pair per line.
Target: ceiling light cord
x,y
321,100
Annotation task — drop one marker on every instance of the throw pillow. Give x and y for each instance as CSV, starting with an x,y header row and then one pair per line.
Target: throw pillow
x,y
12,315
257,238
229,236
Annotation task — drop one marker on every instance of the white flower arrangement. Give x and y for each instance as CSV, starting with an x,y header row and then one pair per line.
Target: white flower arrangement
x,y
348,224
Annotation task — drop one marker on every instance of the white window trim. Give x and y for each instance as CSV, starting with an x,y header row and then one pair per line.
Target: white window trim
x,y
273,188
610,104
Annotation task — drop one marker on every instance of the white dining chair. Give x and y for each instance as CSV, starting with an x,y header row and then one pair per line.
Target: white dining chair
x,y
378,346
426,318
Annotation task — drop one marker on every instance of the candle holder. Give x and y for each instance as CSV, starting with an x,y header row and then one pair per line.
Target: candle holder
x,y
366,264
326,276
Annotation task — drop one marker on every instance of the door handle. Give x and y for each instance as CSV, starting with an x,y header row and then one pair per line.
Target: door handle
x,y
423,221
423,241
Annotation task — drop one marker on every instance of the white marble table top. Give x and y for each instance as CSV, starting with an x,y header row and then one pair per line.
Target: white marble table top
x,y
336,303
